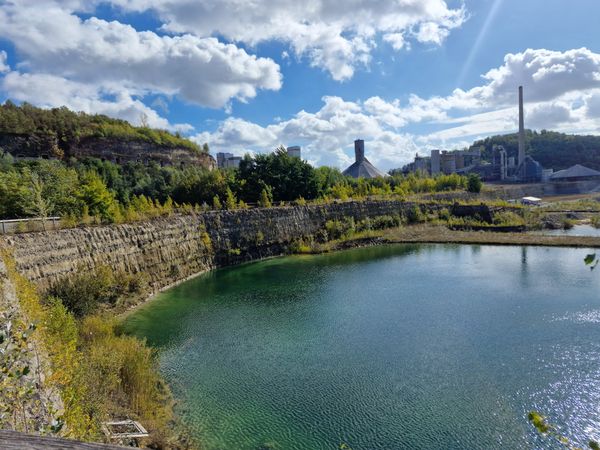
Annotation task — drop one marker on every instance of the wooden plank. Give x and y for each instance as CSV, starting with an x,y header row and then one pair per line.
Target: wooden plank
x,y
11,440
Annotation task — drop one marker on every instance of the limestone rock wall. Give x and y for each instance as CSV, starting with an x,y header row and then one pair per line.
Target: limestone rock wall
x,y
110,149
174,248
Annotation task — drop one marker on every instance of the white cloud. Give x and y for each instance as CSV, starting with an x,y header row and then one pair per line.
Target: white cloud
x,y
396,40
52,91
327,136
94,65
200,70
389,113
592,105
546,76
549,115
334,36
432,33
4,67
562,92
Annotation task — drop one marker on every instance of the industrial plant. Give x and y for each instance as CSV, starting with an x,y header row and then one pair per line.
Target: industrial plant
x,y
501,168
362,168
496,166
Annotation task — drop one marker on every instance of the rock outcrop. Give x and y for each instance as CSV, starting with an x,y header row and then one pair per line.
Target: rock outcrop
x,y
174,248
115,150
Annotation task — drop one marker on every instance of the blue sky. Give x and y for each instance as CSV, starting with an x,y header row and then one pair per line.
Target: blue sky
x,y
405,75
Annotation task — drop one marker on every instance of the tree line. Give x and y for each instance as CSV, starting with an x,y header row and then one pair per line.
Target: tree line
x,y
551,149
104,192
59,128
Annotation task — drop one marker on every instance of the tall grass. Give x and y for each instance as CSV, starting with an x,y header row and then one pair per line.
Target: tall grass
x,y
100,373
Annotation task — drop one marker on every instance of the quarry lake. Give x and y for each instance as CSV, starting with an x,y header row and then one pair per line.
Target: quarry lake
x,y
393,347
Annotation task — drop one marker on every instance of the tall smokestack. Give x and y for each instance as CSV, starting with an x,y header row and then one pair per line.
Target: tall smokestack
x,y
359,150
521,128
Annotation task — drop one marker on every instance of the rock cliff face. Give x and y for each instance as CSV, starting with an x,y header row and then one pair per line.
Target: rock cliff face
x,y
172,249
36,409
115,150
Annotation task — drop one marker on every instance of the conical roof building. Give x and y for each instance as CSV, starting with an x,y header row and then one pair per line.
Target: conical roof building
x,y
362,168
574,173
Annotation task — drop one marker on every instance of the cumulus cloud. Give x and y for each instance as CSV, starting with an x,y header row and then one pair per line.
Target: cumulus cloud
x,y
68,56
592,105
51,91
562,92
200,70
327,135
4,67
546,75
335,37
550,115
556,85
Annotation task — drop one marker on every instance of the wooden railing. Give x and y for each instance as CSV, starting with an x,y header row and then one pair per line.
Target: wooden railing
x,y
30,224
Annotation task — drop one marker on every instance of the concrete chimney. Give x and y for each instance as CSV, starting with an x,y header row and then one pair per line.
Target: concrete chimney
x,y
359,150
521,158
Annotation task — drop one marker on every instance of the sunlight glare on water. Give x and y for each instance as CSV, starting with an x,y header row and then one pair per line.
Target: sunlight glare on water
x,y
420,347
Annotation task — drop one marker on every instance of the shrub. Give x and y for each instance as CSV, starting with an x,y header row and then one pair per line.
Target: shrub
x,y
230,200
444,214
567,223
414,215
474,183
205,238
265,199
85,291
99,372
217,203
383,222
508,218
302,247
338,229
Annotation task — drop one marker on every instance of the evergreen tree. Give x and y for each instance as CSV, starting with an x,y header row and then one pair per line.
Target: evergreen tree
x,y
217,203
265,200
474,183
230,200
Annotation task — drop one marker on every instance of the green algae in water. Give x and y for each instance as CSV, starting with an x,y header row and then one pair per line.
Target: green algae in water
x,y
394,347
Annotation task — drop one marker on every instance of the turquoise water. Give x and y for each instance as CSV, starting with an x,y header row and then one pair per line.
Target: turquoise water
x,y
396,347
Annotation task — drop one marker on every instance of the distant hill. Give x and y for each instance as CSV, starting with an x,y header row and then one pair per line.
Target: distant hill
x,y
28,131
552,150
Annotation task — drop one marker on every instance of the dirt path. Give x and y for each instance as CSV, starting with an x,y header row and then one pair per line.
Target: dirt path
x,y
441,234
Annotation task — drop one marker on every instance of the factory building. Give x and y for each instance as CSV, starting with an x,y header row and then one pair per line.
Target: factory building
x,y
528,170
575,173
457,161
228,161
421,164
295,151
362,168
499,167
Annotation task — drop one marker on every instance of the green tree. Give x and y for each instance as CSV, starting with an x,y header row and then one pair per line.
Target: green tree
x,y
217,203
230,200
41,207
16,197
289,178
474,183
265,200
96,196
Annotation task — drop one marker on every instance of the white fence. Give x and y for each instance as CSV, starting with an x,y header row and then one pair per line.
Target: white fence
x,y
30,224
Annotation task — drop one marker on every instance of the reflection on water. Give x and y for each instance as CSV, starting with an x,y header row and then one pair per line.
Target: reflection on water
x,y
417,346
577,230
